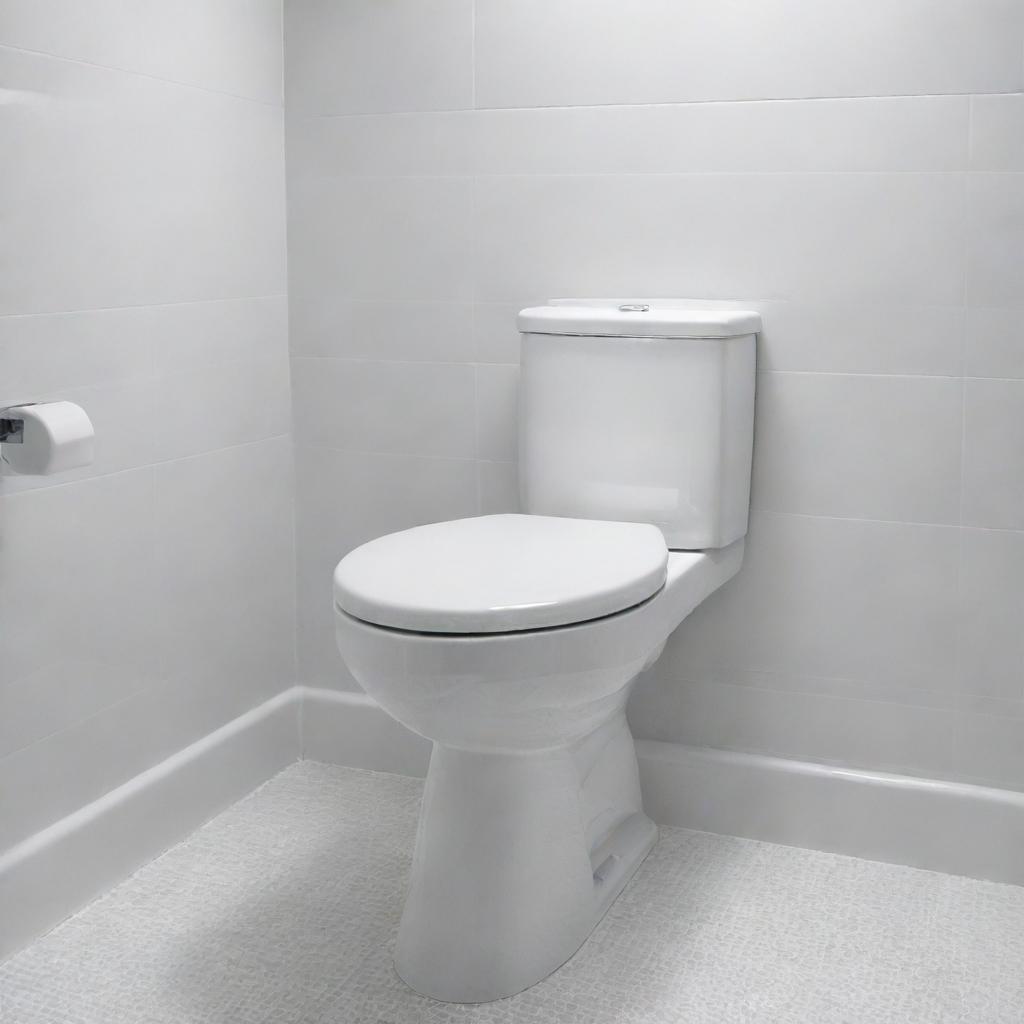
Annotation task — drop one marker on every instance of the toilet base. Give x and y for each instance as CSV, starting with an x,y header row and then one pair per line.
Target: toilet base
x,y
518,857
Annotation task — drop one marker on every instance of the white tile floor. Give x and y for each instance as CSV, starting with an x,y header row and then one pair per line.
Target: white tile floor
x,y
284,910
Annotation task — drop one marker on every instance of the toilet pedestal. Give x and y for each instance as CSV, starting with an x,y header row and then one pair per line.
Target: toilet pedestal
x,y
518,856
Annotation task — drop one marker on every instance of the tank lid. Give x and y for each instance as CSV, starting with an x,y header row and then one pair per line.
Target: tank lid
x,y
638,319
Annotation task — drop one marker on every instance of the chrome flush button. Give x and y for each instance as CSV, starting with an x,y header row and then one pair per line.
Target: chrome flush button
x,y
634,308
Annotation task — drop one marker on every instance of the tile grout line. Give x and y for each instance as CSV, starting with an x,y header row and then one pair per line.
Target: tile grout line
x,y
111,69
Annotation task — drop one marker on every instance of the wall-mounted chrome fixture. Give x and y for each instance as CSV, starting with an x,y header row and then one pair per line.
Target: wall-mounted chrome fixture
x,y
12,431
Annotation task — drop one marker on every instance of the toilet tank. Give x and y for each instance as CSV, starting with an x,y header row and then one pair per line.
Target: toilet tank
x,y
639,411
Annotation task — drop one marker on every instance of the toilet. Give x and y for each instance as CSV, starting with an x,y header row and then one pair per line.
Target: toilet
x,y
512,641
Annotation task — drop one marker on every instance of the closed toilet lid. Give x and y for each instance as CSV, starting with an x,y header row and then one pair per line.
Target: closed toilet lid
x,y
496,574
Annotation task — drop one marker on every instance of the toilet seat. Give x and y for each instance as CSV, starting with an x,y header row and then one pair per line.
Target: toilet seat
x,y
499,574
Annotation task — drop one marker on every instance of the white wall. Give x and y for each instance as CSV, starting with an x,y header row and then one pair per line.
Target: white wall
x,y
150,598
855,171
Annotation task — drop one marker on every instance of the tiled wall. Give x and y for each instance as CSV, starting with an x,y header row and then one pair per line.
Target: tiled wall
x,y
148,599
855,171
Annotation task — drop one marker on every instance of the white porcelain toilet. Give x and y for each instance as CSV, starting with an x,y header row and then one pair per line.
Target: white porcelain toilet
x,y
512,641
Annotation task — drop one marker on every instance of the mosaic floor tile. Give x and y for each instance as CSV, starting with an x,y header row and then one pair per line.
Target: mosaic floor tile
x,y
283,910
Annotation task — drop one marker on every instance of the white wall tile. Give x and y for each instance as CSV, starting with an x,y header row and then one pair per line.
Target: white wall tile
x,y
120,176
222,405
817,727
997,133
832,598
56,697
991,612
859,447
995,343
990,750
885,238
496,333
499,488
994,454
74,562
344,499
869,134
381,239
326,324
232,46
224,590
195,336
887,134
386,145
42,355
996,224
364,56
497,397
397,408
844,338
567,52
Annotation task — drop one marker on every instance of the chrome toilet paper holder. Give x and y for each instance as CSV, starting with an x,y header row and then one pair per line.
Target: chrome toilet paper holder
x,y
12,429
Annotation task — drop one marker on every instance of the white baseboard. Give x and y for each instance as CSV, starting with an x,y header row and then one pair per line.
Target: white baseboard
x,y
57,871
945,826
953,827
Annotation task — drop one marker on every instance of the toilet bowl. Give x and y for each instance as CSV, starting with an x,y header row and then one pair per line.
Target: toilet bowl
x,y
532,819
512,641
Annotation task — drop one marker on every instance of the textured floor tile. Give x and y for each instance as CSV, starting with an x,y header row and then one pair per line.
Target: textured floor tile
x,y
283,910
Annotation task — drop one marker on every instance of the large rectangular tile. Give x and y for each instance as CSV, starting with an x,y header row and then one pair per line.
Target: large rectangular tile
x,y
380,240
78,625
497,412
232,47
995,343
996,236
859,447
324,323
131,191
860,338
991,654
570,52
990,750
994,454
896,239
888,134
385,145
44,355
50,353
221,405
364,56
396,408
997,133
496,333
857,733
224,590
197,336
878,134
499,487
831,598
344,499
